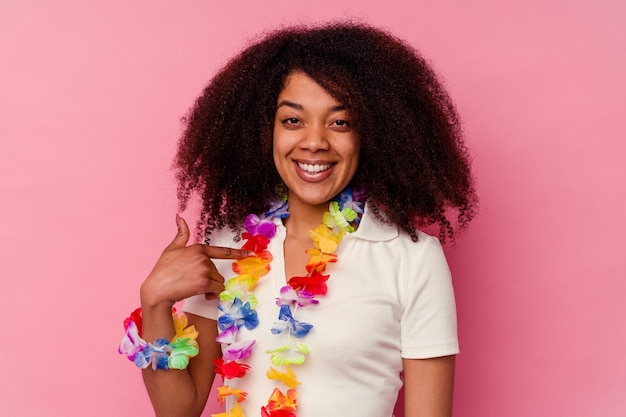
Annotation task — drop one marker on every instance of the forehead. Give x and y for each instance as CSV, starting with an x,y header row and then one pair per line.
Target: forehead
x,y
300,87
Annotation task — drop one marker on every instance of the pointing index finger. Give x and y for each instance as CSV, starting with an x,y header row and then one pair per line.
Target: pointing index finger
x,y
220,252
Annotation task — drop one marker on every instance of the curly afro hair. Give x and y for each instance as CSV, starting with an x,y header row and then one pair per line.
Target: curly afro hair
x,y
414,166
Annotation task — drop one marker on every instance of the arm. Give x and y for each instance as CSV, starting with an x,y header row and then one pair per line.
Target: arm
x,y
185,392
428,387
182,271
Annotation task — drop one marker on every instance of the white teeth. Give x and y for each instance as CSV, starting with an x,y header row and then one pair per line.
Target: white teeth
x,y
313,169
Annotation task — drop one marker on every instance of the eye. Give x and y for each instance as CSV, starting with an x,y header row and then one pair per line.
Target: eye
x,y
341,124
291,121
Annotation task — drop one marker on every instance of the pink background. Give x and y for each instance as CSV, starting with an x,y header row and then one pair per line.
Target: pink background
x,y
91,94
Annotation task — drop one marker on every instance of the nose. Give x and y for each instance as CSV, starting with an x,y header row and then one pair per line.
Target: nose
x,y
315,138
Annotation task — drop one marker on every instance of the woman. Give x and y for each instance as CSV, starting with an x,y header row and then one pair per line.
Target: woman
x,y
324,149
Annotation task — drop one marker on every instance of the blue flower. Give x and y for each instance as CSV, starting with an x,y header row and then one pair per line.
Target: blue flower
x,y
297,328
352,200
237,314
278,208
154,354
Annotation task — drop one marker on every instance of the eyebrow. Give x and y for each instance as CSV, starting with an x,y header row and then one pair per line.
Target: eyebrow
x,y
297,106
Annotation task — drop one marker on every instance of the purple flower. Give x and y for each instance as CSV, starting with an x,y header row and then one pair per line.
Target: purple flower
x,y
289,296
227,336
237,350
131,343
257,226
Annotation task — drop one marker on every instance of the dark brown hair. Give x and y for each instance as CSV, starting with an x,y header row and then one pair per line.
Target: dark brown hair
x,y
414,167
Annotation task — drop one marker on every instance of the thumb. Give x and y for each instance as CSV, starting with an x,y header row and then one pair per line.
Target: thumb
x,y
182,237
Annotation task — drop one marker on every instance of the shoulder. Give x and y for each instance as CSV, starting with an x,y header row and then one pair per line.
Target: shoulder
x,y
385,245
378,230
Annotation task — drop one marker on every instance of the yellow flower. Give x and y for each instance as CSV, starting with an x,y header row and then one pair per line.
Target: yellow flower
x,y
324,239
288,354
288,378
181,329
240,287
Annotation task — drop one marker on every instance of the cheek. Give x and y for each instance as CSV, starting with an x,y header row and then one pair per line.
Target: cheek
x,y
353,152
275,143
278,156
275,155
278,139
276,148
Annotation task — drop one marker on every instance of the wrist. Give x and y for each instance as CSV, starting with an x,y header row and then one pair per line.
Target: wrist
x,y
165,352
151,300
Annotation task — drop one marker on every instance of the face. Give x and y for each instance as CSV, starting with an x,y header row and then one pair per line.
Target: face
x,y
316,150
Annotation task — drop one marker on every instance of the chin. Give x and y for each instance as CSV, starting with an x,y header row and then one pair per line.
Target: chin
x,y
313,199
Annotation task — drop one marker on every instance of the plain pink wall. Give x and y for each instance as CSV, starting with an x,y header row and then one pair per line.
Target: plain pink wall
x,y
91,94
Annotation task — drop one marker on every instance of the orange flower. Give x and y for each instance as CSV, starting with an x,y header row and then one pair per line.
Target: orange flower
x,y
253,265
281,402
319,260
224,391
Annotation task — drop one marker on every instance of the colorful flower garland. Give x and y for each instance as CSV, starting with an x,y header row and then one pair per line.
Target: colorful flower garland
x,y
237,309
237,306
162,354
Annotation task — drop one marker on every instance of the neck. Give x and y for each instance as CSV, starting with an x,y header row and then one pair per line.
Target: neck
x,y
304,217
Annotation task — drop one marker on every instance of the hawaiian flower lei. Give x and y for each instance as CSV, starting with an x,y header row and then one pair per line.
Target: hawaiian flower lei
x,y
237,303
162,354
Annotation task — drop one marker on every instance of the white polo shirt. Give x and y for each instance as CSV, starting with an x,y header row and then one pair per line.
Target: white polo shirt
x,y
388,298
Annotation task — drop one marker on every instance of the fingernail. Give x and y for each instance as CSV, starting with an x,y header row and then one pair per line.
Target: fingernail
x,y
177,220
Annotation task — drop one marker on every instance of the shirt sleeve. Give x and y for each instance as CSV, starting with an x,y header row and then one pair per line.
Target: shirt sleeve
x,y
428,325
199,306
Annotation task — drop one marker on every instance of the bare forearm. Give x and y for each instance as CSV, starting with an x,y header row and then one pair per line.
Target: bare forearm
x,y
181,272
428,387
171,391
176,392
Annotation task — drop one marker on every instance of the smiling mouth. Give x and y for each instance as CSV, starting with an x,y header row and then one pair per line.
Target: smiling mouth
x,y
314,168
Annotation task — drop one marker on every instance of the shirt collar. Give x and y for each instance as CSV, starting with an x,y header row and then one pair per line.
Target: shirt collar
x,y
373,229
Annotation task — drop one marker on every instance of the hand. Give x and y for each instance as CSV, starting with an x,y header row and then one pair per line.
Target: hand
x,y
183,271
